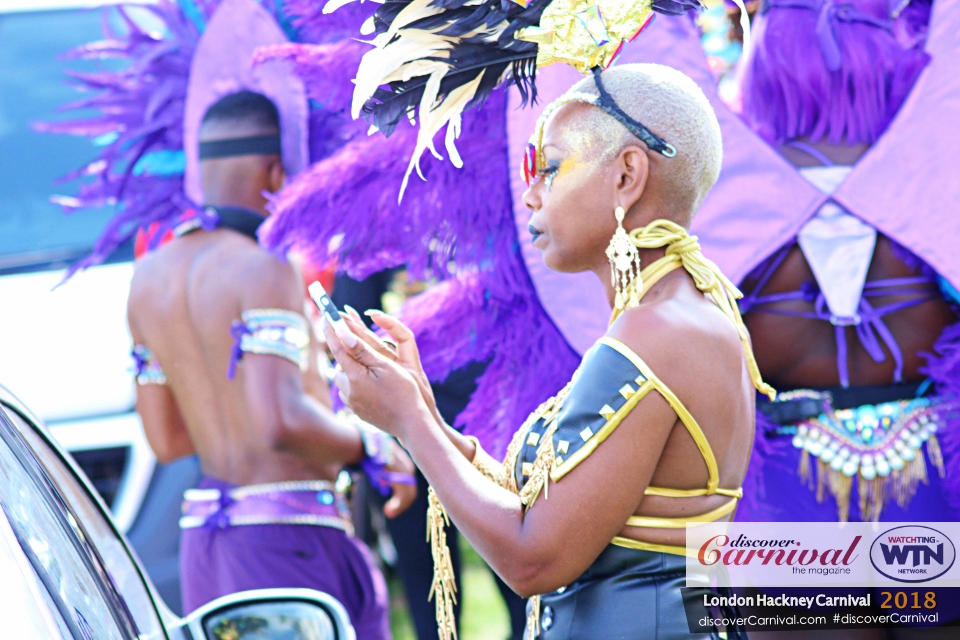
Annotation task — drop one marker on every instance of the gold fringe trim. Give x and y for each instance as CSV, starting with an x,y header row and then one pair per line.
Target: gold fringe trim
x,y
804,471
485,464
936,455
444,586
872,495
540,474
533,619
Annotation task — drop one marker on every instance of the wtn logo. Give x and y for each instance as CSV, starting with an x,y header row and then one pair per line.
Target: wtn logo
x,y
899,554
912,553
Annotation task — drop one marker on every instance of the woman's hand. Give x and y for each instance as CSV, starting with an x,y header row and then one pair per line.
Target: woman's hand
x,y
403,350
377,388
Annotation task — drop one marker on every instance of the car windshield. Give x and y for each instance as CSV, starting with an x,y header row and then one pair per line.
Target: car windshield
x,y
33,231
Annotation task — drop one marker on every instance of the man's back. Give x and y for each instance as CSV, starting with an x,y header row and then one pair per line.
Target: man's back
x,y
184,298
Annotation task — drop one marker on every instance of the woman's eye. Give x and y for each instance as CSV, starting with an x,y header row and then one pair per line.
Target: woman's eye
x,y
548,173
548,170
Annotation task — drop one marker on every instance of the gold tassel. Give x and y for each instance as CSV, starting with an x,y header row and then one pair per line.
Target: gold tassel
x,y
533,619
840,486
804,469
482,462
444,586
936,456
871,498
822,470
540,474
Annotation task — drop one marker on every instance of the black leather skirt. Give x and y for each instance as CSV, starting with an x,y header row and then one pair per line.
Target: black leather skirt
x,y
626,594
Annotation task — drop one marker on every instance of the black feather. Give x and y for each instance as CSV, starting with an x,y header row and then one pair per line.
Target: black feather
x,y
506,61
388,106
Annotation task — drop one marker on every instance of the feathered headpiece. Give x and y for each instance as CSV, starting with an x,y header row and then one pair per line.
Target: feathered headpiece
x,y
149,112
436,58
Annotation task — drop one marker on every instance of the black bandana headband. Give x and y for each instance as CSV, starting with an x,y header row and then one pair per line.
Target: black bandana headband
x,y
530,168
252,146
606,102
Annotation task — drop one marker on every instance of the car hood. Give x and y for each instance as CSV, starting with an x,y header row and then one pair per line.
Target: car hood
x,y
65,351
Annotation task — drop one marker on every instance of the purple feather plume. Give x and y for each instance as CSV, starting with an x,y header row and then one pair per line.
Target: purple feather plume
x,y
345,207
141,107
943,367
493,315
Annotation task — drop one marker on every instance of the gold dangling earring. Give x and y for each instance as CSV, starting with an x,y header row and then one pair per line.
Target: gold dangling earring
x,y
624,266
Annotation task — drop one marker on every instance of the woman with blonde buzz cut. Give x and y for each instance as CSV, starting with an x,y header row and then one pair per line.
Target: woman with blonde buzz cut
x,y
586,513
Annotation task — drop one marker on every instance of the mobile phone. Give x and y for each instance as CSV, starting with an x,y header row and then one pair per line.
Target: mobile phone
x,y
330,312
324,303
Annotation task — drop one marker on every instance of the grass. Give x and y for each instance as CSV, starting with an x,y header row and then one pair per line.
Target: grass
x,y
483,614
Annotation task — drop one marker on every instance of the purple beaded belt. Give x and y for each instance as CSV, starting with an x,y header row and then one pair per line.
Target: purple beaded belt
x,y
312,502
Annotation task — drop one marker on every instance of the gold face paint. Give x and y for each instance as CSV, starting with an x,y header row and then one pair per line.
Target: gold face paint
x,y
532,165
594,140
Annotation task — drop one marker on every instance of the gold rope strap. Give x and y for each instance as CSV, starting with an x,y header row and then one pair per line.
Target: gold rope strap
x,y
444,586
684,249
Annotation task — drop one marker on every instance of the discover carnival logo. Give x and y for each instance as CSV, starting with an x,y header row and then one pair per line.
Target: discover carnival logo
x,y
743,550
912,553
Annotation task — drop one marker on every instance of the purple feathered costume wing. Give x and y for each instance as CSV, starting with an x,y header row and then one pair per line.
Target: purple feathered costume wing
x,y
149,111
140,117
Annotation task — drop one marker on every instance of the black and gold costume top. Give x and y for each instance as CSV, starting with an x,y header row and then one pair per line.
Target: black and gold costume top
x,y
611,380
566,429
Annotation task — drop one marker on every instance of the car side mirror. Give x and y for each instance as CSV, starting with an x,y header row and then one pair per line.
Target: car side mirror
x,y
271,614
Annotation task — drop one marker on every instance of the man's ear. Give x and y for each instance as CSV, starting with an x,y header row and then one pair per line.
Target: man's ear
x,y
634,167
276,177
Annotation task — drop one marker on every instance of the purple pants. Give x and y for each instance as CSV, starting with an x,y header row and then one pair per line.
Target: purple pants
x,y
215,562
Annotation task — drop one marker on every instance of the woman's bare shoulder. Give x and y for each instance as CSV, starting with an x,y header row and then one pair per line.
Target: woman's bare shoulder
x,y
681,343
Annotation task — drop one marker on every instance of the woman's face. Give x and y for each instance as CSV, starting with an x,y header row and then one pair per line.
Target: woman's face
x,y
573,199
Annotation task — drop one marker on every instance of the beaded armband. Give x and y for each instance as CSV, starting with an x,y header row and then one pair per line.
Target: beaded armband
x,y
146,366
273,332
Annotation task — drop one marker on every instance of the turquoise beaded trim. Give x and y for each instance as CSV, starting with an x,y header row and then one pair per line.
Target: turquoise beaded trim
x,y
872,440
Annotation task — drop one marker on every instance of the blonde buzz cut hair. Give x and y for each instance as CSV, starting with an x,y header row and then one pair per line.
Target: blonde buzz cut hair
x,y
673,107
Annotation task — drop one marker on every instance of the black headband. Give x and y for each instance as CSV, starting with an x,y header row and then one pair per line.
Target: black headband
x,y
609,105
252,146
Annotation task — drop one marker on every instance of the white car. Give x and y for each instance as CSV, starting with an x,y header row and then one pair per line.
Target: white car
x,y
65,351
68,573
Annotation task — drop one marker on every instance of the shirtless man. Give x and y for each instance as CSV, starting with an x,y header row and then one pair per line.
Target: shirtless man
x,y
270,451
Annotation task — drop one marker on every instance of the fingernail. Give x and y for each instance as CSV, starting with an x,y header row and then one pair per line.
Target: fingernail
x,y
370,312
346,336
351,310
